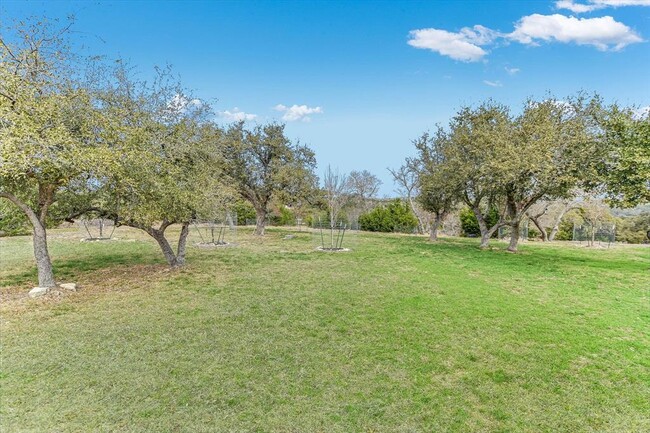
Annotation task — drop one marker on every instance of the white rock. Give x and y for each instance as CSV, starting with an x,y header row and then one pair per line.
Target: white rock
x,y
69,286
38,291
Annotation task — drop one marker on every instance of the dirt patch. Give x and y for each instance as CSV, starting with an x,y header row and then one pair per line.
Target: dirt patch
x,y
115,279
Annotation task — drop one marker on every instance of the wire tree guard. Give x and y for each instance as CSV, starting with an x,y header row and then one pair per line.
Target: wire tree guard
x,y
217,232
601,233
96,229
504,232
330,236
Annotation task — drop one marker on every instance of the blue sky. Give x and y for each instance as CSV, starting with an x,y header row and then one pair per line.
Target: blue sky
x,y
357,81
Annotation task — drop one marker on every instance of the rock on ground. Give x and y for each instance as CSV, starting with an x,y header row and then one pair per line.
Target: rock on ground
x,y
69,286
38,291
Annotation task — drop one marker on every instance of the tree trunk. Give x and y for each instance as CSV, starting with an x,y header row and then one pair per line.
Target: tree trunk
x,y
168,252
435,225
486,233
41,254
556,225
417,216
182,244
541,229
514,236
260,222
43,262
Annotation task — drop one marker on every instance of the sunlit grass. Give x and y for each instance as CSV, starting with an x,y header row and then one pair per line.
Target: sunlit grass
x,y
272,336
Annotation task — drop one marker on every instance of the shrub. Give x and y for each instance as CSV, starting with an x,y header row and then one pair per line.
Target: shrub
x,y
565,231
469,223
245,212
633,229
283,217
396,216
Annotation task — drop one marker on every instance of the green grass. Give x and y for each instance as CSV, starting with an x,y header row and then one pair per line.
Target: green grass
x,y
398,335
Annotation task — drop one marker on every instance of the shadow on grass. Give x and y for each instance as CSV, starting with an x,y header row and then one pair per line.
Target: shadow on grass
x,y
530,254
69,268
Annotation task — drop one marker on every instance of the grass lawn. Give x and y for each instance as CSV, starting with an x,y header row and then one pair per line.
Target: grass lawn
x,y
398,335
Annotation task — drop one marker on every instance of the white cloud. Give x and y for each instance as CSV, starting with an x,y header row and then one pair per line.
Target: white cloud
x,y
297,112
463,46
181,104
603,33
593,5
236,115
493,83
512,71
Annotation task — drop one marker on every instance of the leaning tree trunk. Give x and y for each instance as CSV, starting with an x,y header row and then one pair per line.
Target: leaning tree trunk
x,y
542,230
514,237
486,233
174,260
417,216
41,254
260,222
558,221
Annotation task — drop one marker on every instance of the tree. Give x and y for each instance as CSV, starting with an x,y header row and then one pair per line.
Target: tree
x,y
549,153
335,189
48,143
406,178
263,164
547,215
476,138
594,213
167,165
363,187
438,191
626,169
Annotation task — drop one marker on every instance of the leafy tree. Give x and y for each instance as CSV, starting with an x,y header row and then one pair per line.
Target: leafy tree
x,y
476,139
168,169
549,154
48,144
626,169
633,229
13,221
438,190
265,165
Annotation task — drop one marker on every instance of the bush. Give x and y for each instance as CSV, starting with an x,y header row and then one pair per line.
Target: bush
x,y
245,212
533,233
565,231
394,217
469,224
633,230
283,217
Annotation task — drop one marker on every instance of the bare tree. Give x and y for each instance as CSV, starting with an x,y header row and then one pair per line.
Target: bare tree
x,y
362,187
335,185
547,215
406,178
